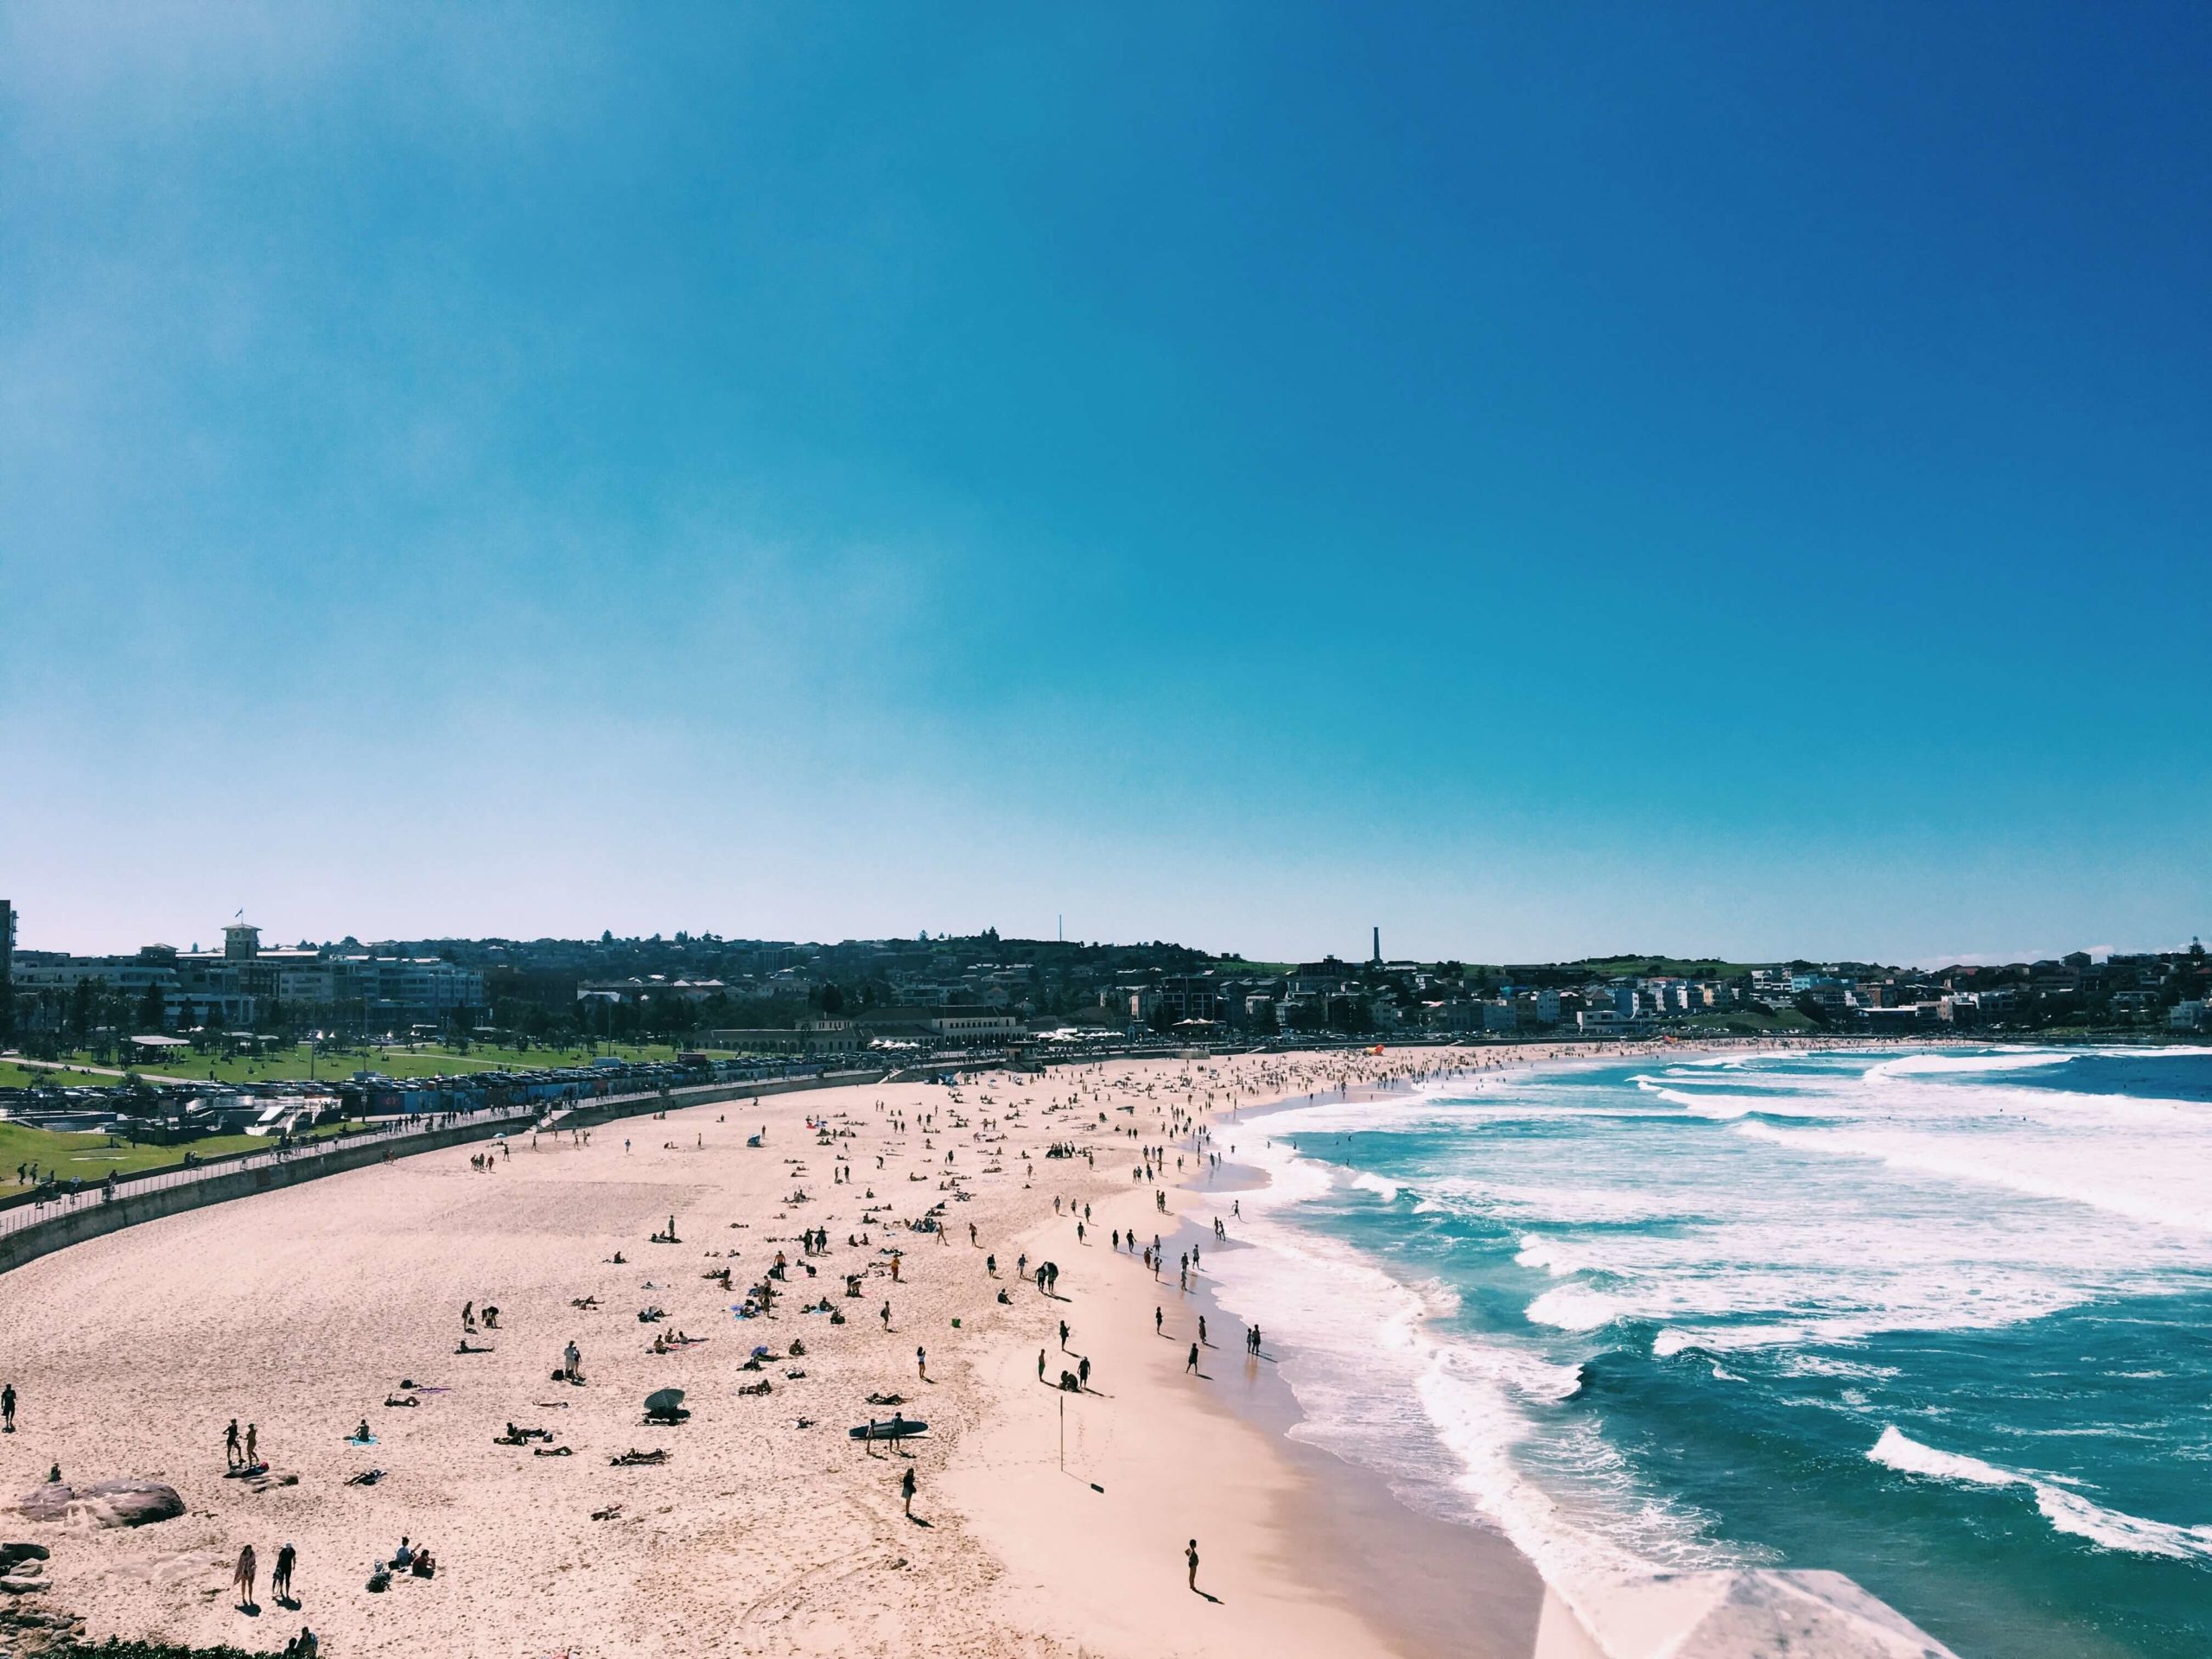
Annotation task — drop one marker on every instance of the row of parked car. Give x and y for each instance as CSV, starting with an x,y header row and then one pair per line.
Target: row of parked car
x,y
193,1111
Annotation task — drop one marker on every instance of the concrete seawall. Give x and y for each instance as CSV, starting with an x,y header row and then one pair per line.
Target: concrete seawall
x,y
127,1208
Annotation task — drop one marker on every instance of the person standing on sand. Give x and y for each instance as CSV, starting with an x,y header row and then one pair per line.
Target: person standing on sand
x,y
1191,1562
243,1579
1156,1317
922,1363
280,1580
252,1441
230,1454
906,1489
8,1409
1191,1364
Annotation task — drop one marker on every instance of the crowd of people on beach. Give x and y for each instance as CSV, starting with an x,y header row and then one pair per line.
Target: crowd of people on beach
x,y
1172,1127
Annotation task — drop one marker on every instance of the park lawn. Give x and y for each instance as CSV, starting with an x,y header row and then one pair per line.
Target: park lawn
x,y
1668,966
334,1064
1748,1022
13,1076
91,1156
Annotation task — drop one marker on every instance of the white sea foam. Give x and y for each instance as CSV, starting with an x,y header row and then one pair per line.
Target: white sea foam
x,y
1576,1308
1553,1255
2067,1511
1735,1339
1733,1106
1902,1198
2168,1183
1901,1451
1710,1105
1384,1189
1377,1384
1820,1365
1923,1064
1570,1205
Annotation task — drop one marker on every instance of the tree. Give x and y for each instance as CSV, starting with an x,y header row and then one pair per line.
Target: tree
x,y
833,999
150,1010
83,999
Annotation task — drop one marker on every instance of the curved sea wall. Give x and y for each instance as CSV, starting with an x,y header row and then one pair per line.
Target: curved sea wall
x,y
128,1208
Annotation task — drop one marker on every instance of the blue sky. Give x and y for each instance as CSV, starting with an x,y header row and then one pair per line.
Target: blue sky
x,y
1547,480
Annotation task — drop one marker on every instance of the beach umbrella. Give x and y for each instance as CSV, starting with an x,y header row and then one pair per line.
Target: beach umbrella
x,y
663,1400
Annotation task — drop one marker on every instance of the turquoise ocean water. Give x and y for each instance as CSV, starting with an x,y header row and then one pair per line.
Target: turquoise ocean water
x,y
1941,1321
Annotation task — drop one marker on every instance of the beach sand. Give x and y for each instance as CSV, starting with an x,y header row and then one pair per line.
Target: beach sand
x,y
300,1311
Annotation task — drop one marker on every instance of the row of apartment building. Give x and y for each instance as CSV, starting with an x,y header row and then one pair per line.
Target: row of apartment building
x,y
231,987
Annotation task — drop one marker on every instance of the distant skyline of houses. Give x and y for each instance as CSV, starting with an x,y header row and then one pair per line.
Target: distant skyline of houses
x,y
786,996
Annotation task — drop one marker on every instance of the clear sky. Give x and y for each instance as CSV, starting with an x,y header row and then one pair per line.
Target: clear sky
x,y
1547,479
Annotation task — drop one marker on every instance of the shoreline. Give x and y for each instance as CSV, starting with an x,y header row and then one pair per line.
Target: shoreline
x,y
1630,1605
311,1307
1413,1584
1436,1584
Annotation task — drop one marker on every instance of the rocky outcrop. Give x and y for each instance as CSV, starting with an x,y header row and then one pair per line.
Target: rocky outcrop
x,y
105,1503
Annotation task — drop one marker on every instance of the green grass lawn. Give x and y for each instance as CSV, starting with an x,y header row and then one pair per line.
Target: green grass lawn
x,y
1668,966
91,1156
398,1060
13,1076
1748,1022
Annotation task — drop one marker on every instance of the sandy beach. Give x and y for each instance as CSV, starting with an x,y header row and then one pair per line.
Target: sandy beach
x,y
767,1530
